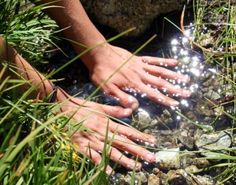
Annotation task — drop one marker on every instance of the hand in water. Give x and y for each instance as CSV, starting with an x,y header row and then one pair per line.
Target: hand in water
x,y
144,74
91,143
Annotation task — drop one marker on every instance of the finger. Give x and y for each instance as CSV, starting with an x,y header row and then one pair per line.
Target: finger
x,y
84,147
125,99
117,111
131,133
165,73
95,157
157,96
159,61
127,145
165,85
114,154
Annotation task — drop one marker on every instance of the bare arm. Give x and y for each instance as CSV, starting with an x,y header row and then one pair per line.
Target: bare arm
x,y
36,79
71,15
142,73
91,115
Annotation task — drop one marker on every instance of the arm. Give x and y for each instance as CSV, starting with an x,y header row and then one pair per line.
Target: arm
x,y
141,73
44,86
91,115
70,14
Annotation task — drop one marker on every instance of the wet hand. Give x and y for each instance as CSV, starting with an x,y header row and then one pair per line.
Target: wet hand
x,y
91,143
143,74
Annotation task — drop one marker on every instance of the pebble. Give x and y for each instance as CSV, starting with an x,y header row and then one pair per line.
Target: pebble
x,y
153,180
168,159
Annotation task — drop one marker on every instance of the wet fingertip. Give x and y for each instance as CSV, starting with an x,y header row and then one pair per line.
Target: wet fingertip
x,y
127,111
133,103
109,170
135,166
186,79
187,93
152,140
151,157
174,62
174,103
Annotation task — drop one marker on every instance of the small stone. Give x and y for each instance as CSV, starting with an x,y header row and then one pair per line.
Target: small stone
x,y
168,159
213,95
153,180
143,118
186,140
141,177
177,177
192,169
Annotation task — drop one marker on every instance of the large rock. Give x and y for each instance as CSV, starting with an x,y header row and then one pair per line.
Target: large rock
x,y
122,15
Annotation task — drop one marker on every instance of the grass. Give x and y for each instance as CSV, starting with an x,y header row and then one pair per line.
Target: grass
x,y
34,142
219,19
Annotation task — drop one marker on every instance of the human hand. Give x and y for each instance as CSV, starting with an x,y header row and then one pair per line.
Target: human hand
x,y
91,143
146,75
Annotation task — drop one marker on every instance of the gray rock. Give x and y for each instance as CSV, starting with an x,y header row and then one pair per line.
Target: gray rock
x,y
142,119
180,177
214,141
168,159
123,15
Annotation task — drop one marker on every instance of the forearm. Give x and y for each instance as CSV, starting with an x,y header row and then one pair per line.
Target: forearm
x,y
70,14
25,70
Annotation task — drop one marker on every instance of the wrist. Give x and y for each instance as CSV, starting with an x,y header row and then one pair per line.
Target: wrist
x,y
93,56
6,51
3,49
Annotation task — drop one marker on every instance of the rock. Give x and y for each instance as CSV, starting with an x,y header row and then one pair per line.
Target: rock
x,y
141,178
214,141
168,159
177,178
123,15
186,139
192,169
182,177
153,180
212,94
142,119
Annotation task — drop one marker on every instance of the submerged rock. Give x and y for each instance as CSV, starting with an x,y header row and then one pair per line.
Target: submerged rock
x,y
214,141
181,177
123,15
153,180
168,159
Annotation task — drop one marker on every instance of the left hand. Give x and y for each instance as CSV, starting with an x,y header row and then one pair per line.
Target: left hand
x,y
92,142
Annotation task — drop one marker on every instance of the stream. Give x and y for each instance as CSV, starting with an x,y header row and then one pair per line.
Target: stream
x,y
186,134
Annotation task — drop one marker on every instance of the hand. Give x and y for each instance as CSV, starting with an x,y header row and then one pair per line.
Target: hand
x,y
91,143
144,74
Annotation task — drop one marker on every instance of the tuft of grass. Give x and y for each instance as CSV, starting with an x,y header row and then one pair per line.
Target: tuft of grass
x,y
217,20
27,28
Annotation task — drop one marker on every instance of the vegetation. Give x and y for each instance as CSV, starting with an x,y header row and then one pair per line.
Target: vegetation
x,y
217,19
34,142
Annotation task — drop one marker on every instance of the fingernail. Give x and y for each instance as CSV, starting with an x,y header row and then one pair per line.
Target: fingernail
x,y
109,171
135,165
127,111
186,93
152,140
174,103
133,102
150,157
